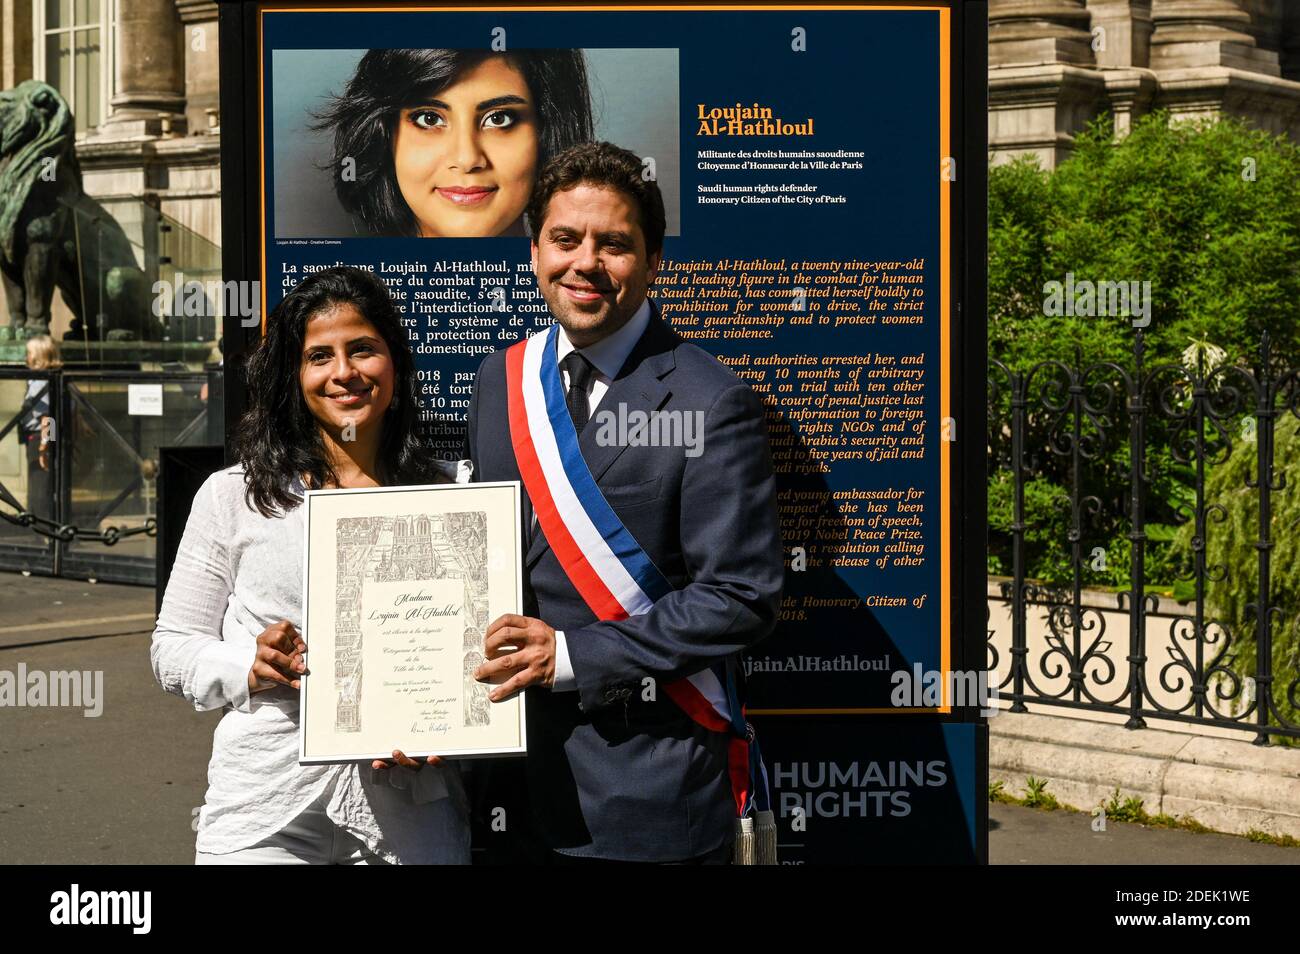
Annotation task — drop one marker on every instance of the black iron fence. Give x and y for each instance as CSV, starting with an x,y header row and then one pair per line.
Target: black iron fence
x,y
78,486
1130,446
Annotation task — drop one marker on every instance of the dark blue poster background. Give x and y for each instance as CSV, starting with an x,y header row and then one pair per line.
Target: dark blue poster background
x,y
833,234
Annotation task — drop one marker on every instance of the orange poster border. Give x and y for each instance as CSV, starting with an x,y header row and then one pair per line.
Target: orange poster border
x,y
945,251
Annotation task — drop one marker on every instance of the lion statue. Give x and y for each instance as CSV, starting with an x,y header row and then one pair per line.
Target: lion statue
x,y
53,235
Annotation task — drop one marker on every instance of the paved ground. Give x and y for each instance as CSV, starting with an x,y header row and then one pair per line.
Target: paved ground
x,y
1027,836
120,788
123,787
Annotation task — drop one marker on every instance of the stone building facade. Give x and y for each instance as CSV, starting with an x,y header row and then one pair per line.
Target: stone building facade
x,y
141,77
143,80
1056,64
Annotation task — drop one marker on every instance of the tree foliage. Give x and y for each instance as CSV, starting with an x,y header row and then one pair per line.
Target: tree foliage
x,y
1208,212
1230,543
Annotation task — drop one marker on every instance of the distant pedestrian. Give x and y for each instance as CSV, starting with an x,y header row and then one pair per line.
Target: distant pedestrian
x,y
36,428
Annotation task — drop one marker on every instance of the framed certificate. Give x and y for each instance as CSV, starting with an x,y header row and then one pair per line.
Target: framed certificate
x,y
399,587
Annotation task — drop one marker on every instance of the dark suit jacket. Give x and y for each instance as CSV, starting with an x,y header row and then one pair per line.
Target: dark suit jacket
x,y
612,774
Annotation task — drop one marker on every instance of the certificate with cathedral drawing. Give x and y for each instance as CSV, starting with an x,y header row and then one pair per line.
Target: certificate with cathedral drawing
x,y
399,587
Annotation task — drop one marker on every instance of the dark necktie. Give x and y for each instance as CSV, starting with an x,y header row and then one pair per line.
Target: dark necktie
x,y
580,371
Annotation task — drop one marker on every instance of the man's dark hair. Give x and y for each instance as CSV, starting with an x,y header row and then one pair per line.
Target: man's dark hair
x,y
600,164
278,437
364,118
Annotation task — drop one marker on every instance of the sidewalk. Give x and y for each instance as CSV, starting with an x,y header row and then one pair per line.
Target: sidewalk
x,y
1227,785
122,788
117,789
1028,836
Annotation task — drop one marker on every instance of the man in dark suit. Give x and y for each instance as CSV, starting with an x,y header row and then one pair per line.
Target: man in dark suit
x,y
616,769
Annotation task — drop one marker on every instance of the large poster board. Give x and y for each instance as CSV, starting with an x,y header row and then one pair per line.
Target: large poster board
x,y
820,166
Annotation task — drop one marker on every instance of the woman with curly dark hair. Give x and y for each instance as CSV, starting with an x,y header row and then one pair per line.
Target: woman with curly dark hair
x,y
448,142
332,403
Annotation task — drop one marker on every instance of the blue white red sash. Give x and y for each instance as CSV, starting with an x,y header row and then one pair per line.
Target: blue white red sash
x,y
604,562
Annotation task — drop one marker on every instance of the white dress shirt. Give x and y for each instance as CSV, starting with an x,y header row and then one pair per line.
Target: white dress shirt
x,y
607,357
236,573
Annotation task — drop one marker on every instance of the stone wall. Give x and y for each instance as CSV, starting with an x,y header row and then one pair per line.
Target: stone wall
x,y
1056,64
1053,66
160,143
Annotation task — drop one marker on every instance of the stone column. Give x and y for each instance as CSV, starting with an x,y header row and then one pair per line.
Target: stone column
x,y
1199,33
1028,32
202,76
1042,84
15,42
150,95
1131,92
1122,32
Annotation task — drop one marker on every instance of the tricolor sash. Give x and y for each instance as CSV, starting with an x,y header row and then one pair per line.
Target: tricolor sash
x,y
609,569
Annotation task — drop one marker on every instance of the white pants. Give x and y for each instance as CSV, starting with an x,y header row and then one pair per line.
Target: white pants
x,y
310,839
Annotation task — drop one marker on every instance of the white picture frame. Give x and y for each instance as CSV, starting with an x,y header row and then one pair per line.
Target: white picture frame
x,y
399,585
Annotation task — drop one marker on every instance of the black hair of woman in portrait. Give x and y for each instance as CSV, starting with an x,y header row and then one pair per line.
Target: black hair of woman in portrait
x,y
431,143
331,403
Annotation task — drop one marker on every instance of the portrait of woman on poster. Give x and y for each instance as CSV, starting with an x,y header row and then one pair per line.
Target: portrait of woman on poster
x,y
332,402
447,143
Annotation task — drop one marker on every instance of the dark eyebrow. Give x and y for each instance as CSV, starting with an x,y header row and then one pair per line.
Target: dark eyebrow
x,y
364,339
560,231
510,99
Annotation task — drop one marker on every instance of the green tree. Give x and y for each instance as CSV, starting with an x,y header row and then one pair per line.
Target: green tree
x,y
1208,212
1230,543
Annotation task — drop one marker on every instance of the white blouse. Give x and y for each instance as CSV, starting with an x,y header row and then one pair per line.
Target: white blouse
x,y
236,573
